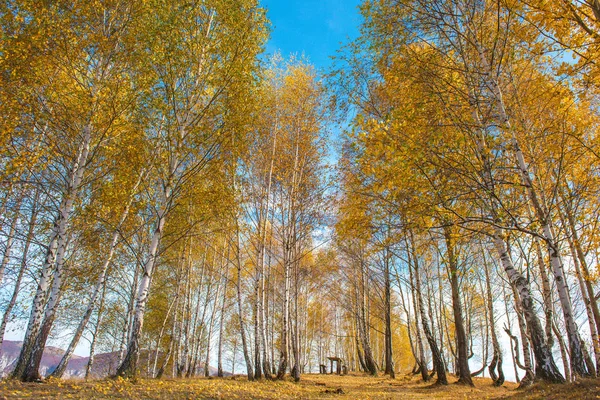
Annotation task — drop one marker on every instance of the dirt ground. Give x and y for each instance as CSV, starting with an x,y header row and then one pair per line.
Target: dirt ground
x,y
352,386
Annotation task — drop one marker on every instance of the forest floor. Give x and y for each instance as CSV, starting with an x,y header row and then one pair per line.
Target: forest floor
x,y
352,386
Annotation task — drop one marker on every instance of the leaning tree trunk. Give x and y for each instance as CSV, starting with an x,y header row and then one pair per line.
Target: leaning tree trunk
x,y
173,306
359,352
563,351
43,310
588,306
22,268
100,284
529,375
546,368
578,365
593,300
161,370
413,346
62,365
11,236
90,363
128,367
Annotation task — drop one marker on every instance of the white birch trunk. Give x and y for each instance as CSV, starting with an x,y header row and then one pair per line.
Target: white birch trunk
x,y
222,320
90,364
99,287
577,361
578,366
33,344
22,269
247,358
545,365
128,367
210,329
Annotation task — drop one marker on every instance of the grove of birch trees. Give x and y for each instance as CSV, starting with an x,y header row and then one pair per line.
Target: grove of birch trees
x,y
175,197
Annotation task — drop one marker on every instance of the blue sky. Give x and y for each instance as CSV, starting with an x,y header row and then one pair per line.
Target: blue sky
x,y
313,27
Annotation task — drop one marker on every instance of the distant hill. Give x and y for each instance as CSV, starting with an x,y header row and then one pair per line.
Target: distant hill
x,y
104,364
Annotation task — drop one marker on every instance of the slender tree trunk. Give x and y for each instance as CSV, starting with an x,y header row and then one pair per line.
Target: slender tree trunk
x,y
588,305
438,362
128,323
22,268
222,321
361,358
262,251
578,366
100,313
263,328
464,373
210,327
233,358
163,366
11,236
199,324
128,368
296,337
247,358
43,312
529,375
100,284
546,368
161,335
563,352
363,313
256,323
495,368
283,357
389,355
62,365
413,347
593,301
546,293
188,319
421,360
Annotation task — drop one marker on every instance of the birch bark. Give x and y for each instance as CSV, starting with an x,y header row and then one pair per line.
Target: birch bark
x,y
100,284
43,310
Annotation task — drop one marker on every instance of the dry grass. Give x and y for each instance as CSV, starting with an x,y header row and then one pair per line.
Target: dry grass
x,y
311,387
